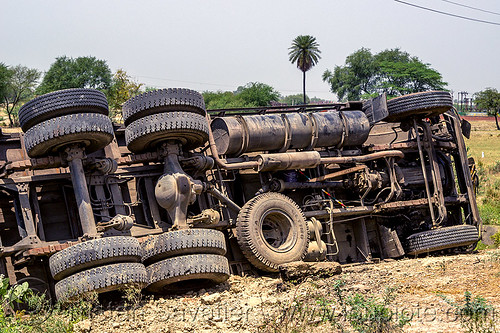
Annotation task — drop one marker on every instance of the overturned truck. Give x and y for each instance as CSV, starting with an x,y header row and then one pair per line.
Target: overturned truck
x,y
178,197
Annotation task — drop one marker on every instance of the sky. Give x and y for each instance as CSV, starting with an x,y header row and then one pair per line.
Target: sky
x,y
221,44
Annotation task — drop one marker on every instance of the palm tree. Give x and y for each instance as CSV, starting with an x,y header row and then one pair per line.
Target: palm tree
x,y
304,51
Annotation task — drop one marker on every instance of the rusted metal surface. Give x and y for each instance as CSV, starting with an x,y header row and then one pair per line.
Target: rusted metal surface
x,y
411,145
243,134
338,173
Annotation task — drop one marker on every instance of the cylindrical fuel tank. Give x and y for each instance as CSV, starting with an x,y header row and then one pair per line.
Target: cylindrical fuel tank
x,y
279,132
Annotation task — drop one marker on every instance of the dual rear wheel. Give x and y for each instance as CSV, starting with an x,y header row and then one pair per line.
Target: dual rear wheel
x,y
170,262
61,118
162,115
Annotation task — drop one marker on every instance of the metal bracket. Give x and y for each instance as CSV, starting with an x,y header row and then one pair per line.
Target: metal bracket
x,y
26,224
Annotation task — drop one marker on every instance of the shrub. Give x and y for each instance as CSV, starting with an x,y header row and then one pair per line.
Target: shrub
x,y
475,313
38,315
490,213
9,296
496,239
371,314
480,246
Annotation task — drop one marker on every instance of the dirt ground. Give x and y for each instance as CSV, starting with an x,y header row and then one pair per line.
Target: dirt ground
x,y
263,304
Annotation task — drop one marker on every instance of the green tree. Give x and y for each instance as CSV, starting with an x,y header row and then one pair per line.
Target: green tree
x,y
253,94
82,72
317,100
150,88
304,52
222,100
5,75
122,88
294,99
257,94
399,73
355,78
489,100
20,87
392,71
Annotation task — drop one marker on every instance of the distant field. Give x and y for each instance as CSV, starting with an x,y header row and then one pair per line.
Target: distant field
x,y
484,138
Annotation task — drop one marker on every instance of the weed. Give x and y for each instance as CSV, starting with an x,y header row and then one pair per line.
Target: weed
x,y
38,314
495,168
494,256
371,314
481,246
10,295
496,239
338,289
442,266
490,213
481,170
132,296
303,313
475,313
492,192
336,309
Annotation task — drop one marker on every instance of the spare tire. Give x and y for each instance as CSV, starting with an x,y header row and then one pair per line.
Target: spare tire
x,y
92,253
164,100
92,130
422,104
440,239
60,103
272,230
186,241
189,129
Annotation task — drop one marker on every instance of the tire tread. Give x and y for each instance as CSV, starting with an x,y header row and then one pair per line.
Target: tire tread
x,y
245,240
424,104
188,267
189,128
163,100
440,239
181,242
101,279
62,102
94,253
40,139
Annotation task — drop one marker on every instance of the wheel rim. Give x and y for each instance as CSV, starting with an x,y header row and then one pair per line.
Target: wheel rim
x,y
276,230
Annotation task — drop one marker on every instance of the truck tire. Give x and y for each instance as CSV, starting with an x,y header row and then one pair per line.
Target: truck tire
x,y
60,103
272,230
440,239
422,104
93,130
160,101
181,242
144,134
101,279
93,253
184,273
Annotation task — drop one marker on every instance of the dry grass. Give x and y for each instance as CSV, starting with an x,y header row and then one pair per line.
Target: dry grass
x,y
484,138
